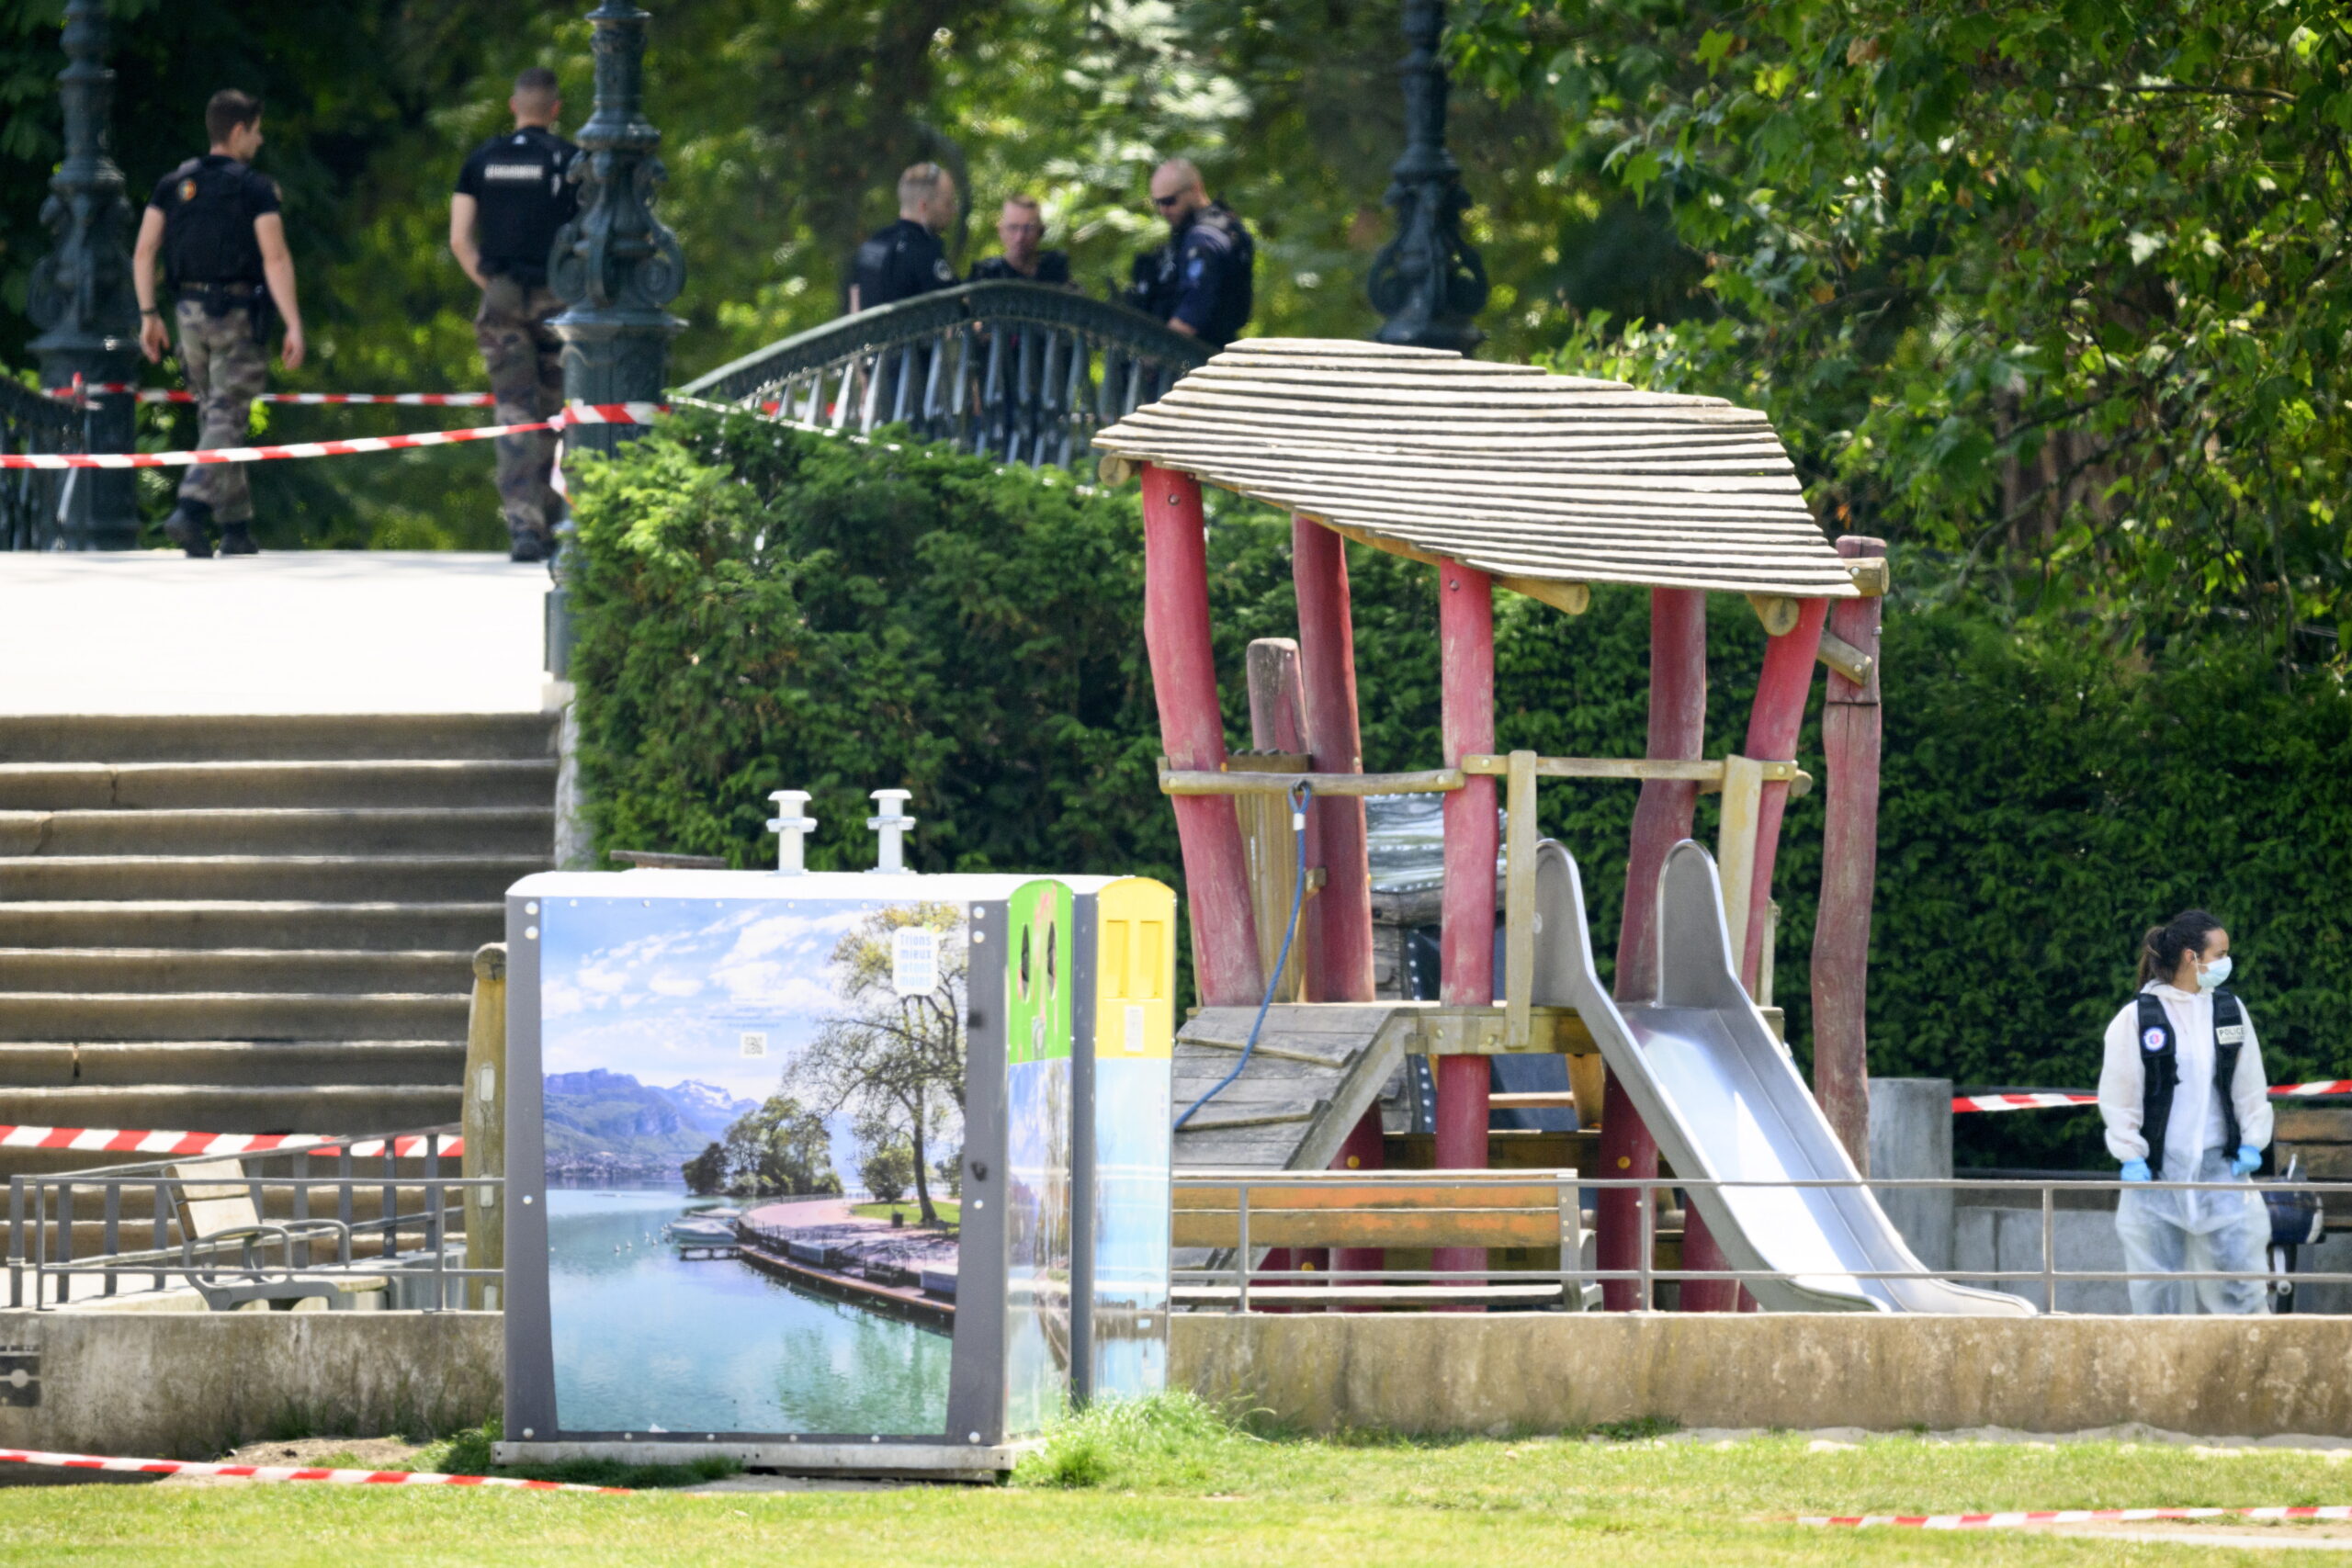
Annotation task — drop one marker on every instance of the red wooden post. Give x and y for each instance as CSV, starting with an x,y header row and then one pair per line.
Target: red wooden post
x,y
1662,818
1338,959
1183,678
1841,935
1772,727
1465,621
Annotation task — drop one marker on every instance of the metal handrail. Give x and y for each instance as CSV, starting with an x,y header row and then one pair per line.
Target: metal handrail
x,y
1022,371
32,502
41,1211
1240,1274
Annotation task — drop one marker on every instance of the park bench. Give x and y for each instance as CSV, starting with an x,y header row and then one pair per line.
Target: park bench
x,y
215,1199
1399,1210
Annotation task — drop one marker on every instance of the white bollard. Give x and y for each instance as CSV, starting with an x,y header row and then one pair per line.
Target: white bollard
x,y
893,824
791,824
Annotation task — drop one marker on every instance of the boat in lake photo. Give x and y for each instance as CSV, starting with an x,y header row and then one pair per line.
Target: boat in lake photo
x,y
710,1238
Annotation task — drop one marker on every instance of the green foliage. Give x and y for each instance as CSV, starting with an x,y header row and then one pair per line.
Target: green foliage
x,y
887,1169
2055,286
706,1173
780,1149
764,608
761,608
1165,1438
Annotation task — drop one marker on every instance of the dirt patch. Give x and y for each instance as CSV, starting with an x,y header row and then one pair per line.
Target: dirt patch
x,y
311,1453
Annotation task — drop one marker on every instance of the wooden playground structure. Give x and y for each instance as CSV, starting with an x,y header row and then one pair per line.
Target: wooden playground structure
x,y
1499,477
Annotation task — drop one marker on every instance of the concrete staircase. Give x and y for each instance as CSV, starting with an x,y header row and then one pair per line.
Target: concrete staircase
x,y
252,924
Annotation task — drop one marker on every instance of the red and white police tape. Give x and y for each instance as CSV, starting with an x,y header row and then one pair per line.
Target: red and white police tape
x,y
2078,1517
2054,1099
180,395
290,1473
578,413
117,1141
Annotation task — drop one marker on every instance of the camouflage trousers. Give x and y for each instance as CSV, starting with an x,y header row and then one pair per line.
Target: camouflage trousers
x,y
227,369
525,360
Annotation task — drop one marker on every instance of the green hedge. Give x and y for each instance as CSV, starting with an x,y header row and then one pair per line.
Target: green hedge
x,y
761,607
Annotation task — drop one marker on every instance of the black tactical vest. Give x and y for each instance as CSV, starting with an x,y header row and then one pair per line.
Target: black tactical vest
x,y
209,227
2160,1062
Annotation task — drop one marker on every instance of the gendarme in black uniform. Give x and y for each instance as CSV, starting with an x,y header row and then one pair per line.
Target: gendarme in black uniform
x,y
1053,267
898,262
212,265
209,251
1201,278
521,197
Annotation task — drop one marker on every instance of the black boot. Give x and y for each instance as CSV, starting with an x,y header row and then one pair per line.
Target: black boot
x,y
528,543
190,528
237,539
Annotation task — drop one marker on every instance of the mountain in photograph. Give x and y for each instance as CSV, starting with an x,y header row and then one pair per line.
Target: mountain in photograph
x,y
604,1125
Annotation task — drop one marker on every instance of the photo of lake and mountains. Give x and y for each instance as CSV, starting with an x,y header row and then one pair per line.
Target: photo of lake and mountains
x,y
752,1123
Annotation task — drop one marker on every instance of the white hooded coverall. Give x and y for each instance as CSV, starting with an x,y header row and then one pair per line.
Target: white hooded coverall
x,y
2164,1231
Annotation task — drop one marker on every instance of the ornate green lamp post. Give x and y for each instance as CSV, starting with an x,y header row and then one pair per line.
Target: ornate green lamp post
x,y
81,296
616,265
1427,283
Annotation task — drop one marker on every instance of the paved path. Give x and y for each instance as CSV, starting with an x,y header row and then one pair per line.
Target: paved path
x,y
287,632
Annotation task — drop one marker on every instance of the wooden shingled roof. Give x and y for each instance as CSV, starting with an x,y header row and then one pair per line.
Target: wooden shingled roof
x,y
1540,480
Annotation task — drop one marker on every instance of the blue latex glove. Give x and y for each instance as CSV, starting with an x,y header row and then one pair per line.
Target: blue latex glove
x,y
2136,1170
2249,1157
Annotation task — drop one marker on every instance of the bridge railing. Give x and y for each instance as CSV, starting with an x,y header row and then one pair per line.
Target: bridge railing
x,y
30,502
1020,371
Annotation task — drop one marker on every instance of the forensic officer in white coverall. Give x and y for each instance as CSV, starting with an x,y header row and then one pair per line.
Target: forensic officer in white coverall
x,y
2184,1097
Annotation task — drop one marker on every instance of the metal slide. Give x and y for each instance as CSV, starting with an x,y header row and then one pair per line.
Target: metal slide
x,y
1724,1102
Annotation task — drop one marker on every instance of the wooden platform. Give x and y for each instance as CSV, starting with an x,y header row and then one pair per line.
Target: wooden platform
x,y
1317,1067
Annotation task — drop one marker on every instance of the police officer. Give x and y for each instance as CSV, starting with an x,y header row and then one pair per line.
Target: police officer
x,y
215,222
1199,283
512,197
907,259
1022,225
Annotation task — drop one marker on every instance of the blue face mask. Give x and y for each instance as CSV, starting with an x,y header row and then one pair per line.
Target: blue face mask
x,y
2214,975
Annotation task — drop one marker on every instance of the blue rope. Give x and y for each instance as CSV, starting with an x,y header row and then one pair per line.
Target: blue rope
x,y
1298,793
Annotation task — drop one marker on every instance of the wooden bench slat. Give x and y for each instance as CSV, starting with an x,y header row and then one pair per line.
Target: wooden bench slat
x,y
1431,1227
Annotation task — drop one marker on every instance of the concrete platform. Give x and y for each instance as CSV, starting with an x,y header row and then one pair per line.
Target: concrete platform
x,y
291,632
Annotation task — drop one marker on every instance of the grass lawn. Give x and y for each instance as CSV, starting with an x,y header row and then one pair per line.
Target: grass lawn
x,y
1167,1483
949,1213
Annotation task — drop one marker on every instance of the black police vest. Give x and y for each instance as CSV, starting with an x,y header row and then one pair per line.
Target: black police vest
x,y
208,233
2161,1071
524,197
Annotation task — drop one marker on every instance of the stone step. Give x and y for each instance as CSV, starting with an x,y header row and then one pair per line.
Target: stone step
x,y
141,737
119,1063
173,786
329,1109
216,1015
438,878
498,830
290,924
150,970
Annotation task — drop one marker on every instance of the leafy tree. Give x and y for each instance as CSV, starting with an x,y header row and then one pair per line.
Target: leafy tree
x,y
887,1166
898,1059
706,1172
2050,287
781,1148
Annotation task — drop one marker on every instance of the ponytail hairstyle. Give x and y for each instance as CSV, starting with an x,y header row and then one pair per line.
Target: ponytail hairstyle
x,y
2162,948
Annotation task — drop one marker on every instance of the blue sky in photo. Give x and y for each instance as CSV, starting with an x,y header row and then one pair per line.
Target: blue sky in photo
x,y
665,989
